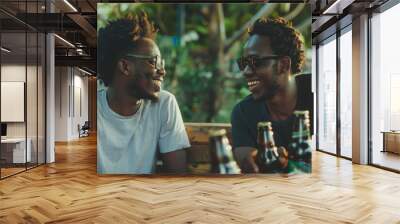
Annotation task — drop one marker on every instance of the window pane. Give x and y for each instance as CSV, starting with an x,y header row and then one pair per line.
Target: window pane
x,y
41,99
346,94
14,152
31,99
385,88
327,96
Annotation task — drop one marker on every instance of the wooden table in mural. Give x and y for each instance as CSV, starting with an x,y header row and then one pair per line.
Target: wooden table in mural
x,y
199,154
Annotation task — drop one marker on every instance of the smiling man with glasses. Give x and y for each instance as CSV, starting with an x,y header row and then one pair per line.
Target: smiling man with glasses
x,y
136,119
272,59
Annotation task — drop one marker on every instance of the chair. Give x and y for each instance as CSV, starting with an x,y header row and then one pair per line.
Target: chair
x,y
84,130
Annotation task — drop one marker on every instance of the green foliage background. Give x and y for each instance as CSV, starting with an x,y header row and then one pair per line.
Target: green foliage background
x,y
184,41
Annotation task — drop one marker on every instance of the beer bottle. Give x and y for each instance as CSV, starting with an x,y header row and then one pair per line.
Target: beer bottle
x,y
222,160
267,155
300,147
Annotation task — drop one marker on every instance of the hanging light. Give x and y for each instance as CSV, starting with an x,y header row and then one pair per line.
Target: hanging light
x,y
70,5
5,50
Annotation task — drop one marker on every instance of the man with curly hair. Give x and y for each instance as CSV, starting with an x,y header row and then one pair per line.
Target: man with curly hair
x,y
136,119
272,60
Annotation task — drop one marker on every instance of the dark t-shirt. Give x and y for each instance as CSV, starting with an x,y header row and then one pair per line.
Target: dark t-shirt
x,y
248,112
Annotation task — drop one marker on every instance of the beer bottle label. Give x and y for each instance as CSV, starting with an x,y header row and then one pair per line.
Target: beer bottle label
x,y
300,134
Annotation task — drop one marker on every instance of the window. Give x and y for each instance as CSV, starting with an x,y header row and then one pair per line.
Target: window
x,y
327,96
385,86
22,66
346,94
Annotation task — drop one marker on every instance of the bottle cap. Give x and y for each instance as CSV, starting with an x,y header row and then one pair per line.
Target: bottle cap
x,y
264,124
301,113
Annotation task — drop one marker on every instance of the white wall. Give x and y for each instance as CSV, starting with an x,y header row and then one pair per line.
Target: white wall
x,y
71,94
80,112
33,126
13,73
61,103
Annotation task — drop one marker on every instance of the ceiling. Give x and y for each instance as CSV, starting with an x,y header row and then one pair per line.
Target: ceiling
x,y
76,22
330,15
76,25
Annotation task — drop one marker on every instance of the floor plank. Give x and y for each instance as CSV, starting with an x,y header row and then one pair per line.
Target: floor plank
x,y
70,191
386,159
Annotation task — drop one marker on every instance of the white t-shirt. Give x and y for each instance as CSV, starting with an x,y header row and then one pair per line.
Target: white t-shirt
x,y
128,145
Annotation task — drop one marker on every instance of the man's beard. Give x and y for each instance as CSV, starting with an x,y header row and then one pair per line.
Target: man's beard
x,y
272,90
137,86
273,87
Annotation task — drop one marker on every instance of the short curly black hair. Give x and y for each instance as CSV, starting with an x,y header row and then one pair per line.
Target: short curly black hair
x,y
118,38
285,40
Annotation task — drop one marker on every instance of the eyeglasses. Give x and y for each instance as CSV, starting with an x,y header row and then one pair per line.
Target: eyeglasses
x,y
254,61
154,61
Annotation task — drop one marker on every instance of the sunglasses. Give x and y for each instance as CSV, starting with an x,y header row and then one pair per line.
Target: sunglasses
x,y
154,61
254,62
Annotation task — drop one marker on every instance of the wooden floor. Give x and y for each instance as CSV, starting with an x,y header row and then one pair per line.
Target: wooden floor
x,y
69,191
10,171
387,159
5,172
